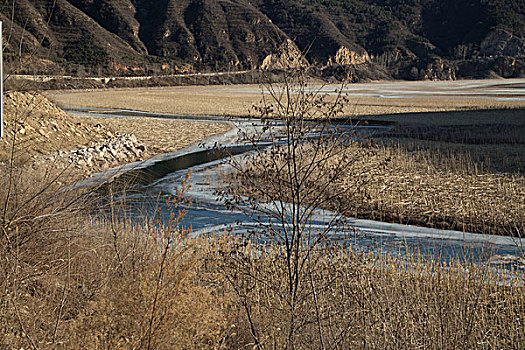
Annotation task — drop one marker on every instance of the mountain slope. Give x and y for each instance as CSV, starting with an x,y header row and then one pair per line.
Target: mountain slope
x,y
145,36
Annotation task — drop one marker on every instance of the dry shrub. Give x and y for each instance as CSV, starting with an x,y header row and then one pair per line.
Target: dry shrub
x,y
316,166
39,238
154,295
433,305
351,301
258,275
69,280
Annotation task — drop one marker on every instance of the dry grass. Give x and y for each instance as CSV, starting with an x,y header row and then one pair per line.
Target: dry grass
x,y
150,297
488,158
473,123
238,100
429,188
387,303
69,281
193,100
459,170
493,139
404,183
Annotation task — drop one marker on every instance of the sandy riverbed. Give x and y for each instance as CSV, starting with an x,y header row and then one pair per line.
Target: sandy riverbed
x,y
369,98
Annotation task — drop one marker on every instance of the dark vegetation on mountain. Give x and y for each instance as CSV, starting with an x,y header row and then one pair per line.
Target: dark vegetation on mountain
x,y
410,39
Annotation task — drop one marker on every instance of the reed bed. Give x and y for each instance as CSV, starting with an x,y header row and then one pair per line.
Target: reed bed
x,y
425,187
74,281
492,139
404,183
456,170
354,301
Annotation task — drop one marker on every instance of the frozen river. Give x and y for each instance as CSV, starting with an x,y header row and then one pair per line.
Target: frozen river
x,y
207,215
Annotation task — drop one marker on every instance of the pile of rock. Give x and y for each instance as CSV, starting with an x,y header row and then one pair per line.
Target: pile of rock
x,y
113,150
38,127
40,134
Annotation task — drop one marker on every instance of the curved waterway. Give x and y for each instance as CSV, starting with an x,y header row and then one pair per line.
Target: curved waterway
x,y
159,177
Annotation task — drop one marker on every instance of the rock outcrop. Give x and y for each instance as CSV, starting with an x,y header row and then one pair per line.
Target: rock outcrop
x,y
438,69
504,67
288,55
344,56
500,42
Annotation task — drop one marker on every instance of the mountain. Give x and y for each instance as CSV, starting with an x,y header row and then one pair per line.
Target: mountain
x,y
414,39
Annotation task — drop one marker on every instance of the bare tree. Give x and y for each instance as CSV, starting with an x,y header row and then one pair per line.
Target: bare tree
x,y
284,185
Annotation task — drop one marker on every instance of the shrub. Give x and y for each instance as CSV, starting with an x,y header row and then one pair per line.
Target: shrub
x,y
86,51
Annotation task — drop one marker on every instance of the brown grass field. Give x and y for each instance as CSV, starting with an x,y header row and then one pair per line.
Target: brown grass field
x,y
237,100
69,280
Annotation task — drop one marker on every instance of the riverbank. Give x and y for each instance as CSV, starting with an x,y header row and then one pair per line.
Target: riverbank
x,y
41,135
460,169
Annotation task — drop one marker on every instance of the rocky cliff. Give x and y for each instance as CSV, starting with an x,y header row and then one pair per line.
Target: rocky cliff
x,y
150,36
500,42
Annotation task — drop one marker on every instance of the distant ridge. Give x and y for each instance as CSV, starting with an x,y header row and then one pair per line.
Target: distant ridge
x,y
408,39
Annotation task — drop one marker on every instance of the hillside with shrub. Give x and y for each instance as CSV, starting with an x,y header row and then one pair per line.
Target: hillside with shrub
x,y
410,39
